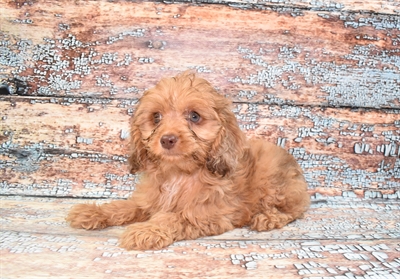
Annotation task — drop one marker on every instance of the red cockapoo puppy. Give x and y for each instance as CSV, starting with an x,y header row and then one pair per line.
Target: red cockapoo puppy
x,y
200,176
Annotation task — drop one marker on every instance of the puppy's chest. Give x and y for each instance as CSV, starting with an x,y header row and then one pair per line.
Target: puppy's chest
x,y
173,191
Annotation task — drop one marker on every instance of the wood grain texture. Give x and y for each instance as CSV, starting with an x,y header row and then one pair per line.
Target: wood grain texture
x,y
36,242
320,78
322,82
377,6
253,55
77,146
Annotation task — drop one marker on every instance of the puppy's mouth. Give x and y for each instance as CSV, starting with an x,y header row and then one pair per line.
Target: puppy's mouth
x,y
176,156
172,154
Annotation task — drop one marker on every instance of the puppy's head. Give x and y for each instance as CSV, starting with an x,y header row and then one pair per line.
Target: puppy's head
x,y
183,122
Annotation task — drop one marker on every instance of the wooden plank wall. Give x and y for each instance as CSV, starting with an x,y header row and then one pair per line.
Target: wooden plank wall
x,y
320,78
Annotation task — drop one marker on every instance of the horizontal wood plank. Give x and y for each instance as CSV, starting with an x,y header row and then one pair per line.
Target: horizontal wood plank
x,y
377,6
77,146
36,242
253,55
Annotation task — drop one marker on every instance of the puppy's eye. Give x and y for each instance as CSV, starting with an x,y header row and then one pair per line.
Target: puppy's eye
x,y
194,117
157,117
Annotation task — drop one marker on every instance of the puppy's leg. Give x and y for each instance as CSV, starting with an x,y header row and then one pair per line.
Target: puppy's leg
x,y
160,231
270,219
164,228
280,209
92,216
281,180
283,207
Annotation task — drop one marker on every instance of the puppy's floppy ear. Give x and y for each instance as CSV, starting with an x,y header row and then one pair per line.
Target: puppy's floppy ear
x,y
229,145
138,154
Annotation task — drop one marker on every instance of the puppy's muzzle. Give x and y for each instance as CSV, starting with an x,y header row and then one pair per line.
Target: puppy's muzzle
x,y
168,141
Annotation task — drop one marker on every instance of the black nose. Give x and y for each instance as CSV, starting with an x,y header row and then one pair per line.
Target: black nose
x,y
168,141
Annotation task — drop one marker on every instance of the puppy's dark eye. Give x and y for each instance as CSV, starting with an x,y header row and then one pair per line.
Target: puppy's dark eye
x,y
194,117
157,117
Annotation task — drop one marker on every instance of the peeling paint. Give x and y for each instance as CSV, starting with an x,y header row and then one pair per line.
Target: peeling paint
x,y
372,87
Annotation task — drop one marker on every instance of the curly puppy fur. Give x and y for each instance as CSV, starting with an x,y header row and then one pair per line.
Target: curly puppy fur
x,y
200,176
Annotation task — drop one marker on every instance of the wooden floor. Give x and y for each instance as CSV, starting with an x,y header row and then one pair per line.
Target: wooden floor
x,y
338,238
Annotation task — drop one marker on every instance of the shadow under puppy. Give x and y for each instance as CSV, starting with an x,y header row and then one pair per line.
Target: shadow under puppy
x,y
200,176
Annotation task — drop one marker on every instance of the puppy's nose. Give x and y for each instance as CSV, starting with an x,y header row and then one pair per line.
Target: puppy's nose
x,y
168,141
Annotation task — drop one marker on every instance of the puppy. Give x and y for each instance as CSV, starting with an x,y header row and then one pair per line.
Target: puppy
x,y
199,175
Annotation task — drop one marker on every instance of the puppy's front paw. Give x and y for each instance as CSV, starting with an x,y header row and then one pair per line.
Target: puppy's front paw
x,y
145,236
86,216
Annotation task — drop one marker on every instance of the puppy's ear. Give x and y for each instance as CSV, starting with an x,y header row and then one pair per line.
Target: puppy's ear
x,y
229,145
138,154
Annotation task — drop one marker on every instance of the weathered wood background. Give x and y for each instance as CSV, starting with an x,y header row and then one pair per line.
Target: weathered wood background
x,y
320,78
